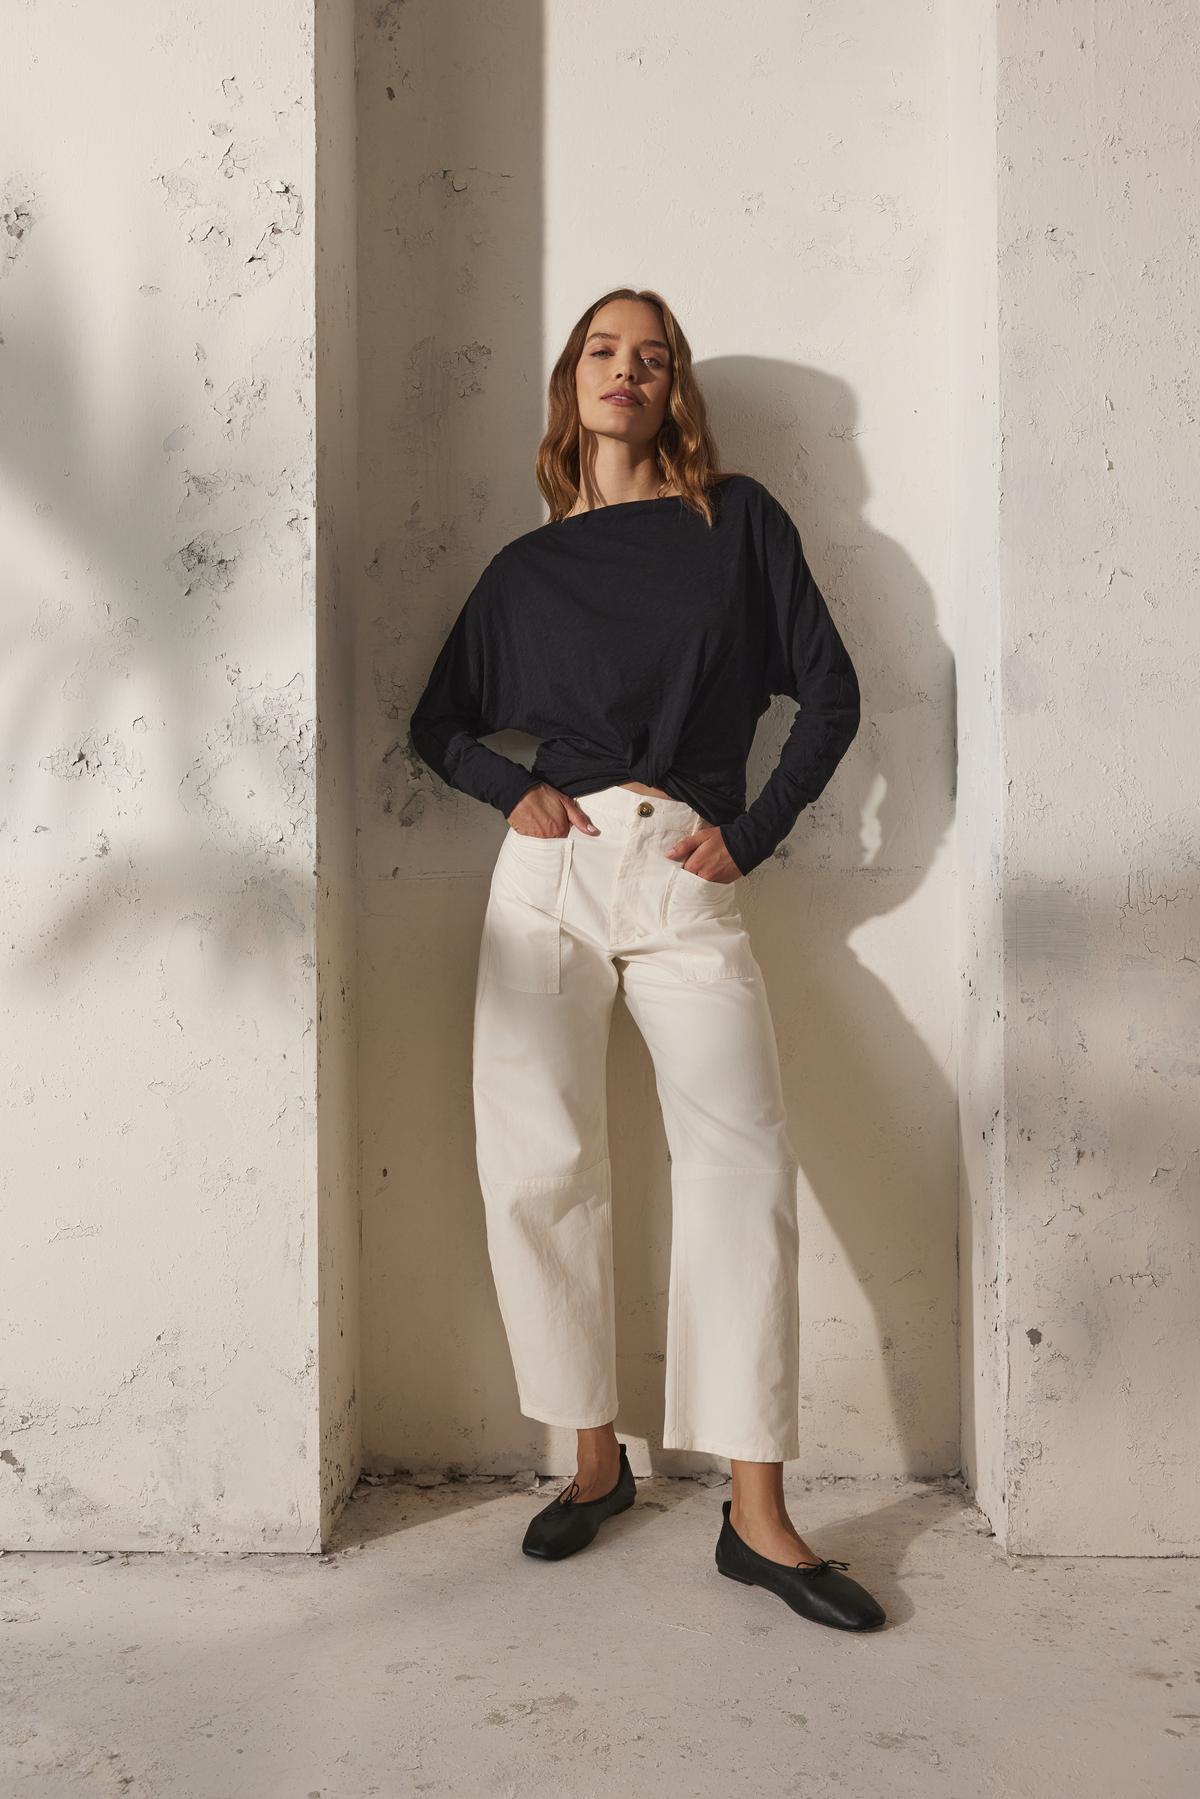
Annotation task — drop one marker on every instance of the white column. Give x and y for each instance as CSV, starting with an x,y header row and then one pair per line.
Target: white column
x,y
159,820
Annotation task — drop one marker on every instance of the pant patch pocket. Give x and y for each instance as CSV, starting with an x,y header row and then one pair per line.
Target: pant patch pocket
x,y
708,940
524,911
688,894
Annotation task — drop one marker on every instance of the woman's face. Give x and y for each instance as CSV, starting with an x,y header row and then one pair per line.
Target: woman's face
x,y
626,354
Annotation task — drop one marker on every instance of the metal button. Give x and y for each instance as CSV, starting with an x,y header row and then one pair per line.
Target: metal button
x,y
645,809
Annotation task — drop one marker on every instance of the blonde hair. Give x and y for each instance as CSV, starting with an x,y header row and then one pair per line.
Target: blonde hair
x,y
686,451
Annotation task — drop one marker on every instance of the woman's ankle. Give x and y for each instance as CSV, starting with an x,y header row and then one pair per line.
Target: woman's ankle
x,y
597,1440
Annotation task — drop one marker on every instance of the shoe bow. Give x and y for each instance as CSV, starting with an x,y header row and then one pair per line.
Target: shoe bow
x,y
821,1566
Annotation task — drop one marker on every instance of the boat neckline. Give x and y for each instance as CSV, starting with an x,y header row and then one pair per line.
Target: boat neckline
x,y
663,499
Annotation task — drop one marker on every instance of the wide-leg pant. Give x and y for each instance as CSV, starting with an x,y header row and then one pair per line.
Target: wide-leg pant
x,y
567,920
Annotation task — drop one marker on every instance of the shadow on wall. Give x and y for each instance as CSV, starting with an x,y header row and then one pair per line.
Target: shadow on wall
x,y
144,506
870,1110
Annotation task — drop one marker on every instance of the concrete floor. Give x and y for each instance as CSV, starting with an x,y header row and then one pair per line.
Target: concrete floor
x,y
425,1654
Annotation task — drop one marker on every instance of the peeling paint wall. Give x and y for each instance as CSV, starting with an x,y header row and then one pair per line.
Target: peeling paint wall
x,y
185,695
159,766
450,197
1097,144
785,188
336,567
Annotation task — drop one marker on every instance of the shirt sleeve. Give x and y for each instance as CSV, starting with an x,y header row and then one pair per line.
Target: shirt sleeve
x,y
808,662
464,700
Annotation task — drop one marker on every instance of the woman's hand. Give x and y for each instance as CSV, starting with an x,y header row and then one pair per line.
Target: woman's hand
x,y
708,856
545,812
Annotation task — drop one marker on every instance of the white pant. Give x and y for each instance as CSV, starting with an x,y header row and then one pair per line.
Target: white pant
x,y
567,919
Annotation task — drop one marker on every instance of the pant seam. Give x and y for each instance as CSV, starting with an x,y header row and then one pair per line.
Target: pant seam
x,y
684,1297
689,980
552,1180
737,1167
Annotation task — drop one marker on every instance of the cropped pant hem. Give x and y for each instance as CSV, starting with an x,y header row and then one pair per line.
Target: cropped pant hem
x,y
788,1451
543,1415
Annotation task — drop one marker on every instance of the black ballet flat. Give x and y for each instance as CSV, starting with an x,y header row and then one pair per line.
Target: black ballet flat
x,y
814,1589
568,1524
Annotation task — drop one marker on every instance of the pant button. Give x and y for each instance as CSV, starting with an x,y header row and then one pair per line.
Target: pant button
x,y
645,809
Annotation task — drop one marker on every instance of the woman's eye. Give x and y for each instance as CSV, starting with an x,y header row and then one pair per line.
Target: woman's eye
x,y
651,361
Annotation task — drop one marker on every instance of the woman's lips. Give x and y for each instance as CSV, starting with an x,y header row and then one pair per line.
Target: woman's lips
x,y
621,400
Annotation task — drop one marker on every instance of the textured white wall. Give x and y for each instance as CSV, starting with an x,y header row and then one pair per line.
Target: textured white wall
x,y
973,514
784,186
971,385
159,1002
337,563
1100,545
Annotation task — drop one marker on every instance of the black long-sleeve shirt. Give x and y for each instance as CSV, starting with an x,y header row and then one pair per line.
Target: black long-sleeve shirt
x,y
641,644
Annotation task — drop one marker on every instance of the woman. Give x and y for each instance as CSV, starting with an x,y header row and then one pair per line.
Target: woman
x,y
640,633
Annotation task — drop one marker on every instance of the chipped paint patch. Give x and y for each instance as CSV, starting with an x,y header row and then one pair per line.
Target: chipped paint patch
x,y
100,758
202,563
253,781
18,215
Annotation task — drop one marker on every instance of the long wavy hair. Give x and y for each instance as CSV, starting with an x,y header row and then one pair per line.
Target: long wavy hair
x,y
686,450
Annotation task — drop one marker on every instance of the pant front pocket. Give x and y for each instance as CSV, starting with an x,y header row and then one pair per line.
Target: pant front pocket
x,y
708,938
688,894
524,911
